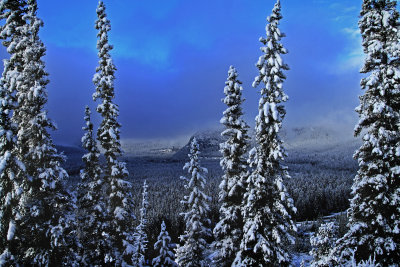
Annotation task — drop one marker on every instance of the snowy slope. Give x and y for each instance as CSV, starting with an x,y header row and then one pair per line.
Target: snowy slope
x,y
313,139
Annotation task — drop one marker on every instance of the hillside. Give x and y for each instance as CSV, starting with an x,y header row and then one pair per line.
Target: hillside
x,y
319,160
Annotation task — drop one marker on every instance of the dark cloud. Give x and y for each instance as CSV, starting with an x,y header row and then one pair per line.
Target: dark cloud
x,y
173,56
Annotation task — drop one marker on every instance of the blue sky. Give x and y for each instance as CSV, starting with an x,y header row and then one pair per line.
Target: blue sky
x,y
173,56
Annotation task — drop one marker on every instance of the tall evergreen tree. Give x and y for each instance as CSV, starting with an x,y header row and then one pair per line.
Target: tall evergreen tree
x,y
228,231
12,170
140,237
46,223
191,253
91,203
374,213
119,206
268,208
166,256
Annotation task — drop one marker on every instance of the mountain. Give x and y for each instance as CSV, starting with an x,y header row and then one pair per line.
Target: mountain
x,y
146,148
312,139
208,141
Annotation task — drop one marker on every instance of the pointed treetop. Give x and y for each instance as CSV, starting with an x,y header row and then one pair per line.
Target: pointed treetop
x,y
194,145
276,15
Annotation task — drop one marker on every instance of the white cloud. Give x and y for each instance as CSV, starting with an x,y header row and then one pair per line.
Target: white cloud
x,y
353,56
354,33
344,18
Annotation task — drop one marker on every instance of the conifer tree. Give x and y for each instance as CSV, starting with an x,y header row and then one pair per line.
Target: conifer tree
x,y
12,170
191,253
46,222
374,213
228,231
140,236
166,256
323,242
268,208
92,210
119,206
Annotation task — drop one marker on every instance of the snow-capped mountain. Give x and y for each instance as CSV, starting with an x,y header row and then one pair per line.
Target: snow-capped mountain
x,y
315,138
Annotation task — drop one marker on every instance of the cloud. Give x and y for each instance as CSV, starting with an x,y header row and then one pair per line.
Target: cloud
x,y
155,51
353,56
350,56
350,9
172,61
346,12
354,33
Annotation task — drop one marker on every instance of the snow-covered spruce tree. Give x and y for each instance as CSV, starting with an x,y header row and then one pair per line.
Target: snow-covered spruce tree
x,y
191,253
268,208
166,256
12,171
119,206
11,174
322,243
140,236
228,231
46,223
92,218
374,213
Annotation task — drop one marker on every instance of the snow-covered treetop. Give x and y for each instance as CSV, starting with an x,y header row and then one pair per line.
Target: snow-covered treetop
x,y
166,256
104,78
380,33
89,124
11,11
87,139
271,111
323,242
196,200
163,238
233,99
32,93
193,167
236,128
11,34
35,52
233,88
163,235
35,145
270,64
91,158
140,236
145,205
378,25
195,215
